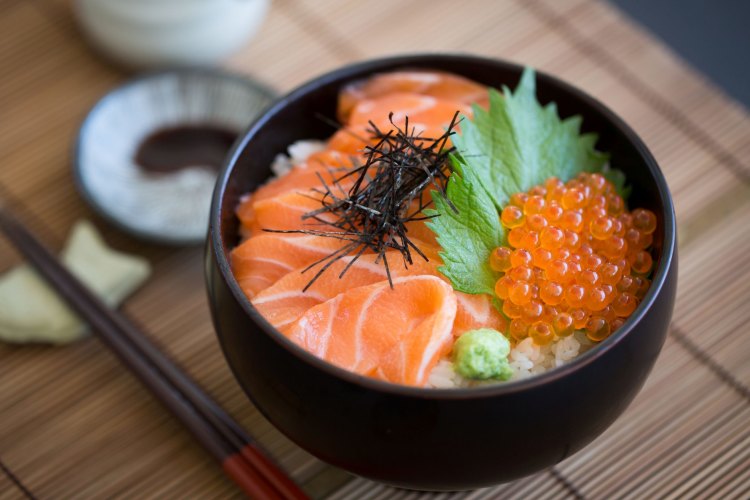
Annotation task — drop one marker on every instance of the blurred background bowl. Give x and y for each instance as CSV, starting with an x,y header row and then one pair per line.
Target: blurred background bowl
x,y
431,439
104,158
157,33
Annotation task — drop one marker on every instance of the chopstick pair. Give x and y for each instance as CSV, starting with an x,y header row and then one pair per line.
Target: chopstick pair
x,y
242,460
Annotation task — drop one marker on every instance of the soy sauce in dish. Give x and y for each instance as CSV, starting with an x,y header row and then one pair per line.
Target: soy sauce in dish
x,y
174,148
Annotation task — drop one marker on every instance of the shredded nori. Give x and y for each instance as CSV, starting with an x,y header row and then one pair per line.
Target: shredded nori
x,y
388,191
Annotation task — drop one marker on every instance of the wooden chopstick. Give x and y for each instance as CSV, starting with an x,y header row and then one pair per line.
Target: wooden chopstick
x,y
241,459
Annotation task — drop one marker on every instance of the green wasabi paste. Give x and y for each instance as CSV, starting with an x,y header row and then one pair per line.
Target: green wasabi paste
x,y
482,354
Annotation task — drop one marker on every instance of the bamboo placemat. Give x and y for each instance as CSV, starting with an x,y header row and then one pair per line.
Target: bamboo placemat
x,y
75,424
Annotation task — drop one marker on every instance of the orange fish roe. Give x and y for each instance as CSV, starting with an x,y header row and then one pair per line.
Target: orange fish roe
x,y
578,260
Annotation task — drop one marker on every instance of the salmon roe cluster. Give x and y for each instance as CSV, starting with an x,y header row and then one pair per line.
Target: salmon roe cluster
x,y
576,260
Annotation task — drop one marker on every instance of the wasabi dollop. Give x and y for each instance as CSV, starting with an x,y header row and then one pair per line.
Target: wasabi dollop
x,y
482,354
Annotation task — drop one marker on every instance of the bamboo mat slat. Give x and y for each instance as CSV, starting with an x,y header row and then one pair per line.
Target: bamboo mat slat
x,y
692,99
712,295
76,425
284,54
616,461
9,490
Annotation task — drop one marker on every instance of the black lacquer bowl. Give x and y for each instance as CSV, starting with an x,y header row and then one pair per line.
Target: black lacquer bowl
x,y
446,439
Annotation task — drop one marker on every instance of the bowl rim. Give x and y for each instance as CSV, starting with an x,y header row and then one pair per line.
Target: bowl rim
x,y
459,393
83,133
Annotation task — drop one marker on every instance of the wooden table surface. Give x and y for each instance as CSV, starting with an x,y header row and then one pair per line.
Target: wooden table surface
x,y
75,424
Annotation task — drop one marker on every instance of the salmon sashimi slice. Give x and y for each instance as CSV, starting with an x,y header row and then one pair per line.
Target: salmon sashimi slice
x,y
355,138
396,334
261,260
424,112
477,311
285,213
417,230
305,174
352,139
297,181
286,301
428,118
331,159
432,83
326,165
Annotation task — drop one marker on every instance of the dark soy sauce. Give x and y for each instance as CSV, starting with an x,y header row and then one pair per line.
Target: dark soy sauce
x,y
174,148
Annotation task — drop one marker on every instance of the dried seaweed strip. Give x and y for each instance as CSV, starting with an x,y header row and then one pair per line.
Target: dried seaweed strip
x,y
373,212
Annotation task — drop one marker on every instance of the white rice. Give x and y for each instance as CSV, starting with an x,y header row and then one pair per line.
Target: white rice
x,y
526,359
296,154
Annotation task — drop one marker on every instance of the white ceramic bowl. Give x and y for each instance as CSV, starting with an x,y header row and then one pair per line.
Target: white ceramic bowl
x,y
170,208
153,33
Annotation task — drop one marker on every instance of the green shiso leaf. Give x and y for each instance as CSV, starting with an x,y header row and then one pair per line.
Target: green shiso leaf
x,y
513,146
518,144
467,234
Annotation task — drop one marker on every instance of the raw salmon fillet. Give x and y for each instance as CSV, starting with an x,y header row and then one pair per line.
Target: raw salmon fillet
x,y
396,335
428,116
355,138
286,301
424,112
326,165
351,139
261,260
419,108
284,212
432,83
477,311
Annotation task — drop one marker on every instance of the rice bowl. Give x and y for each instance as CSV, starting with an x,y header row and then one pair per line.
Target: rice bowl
x,y
408,436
